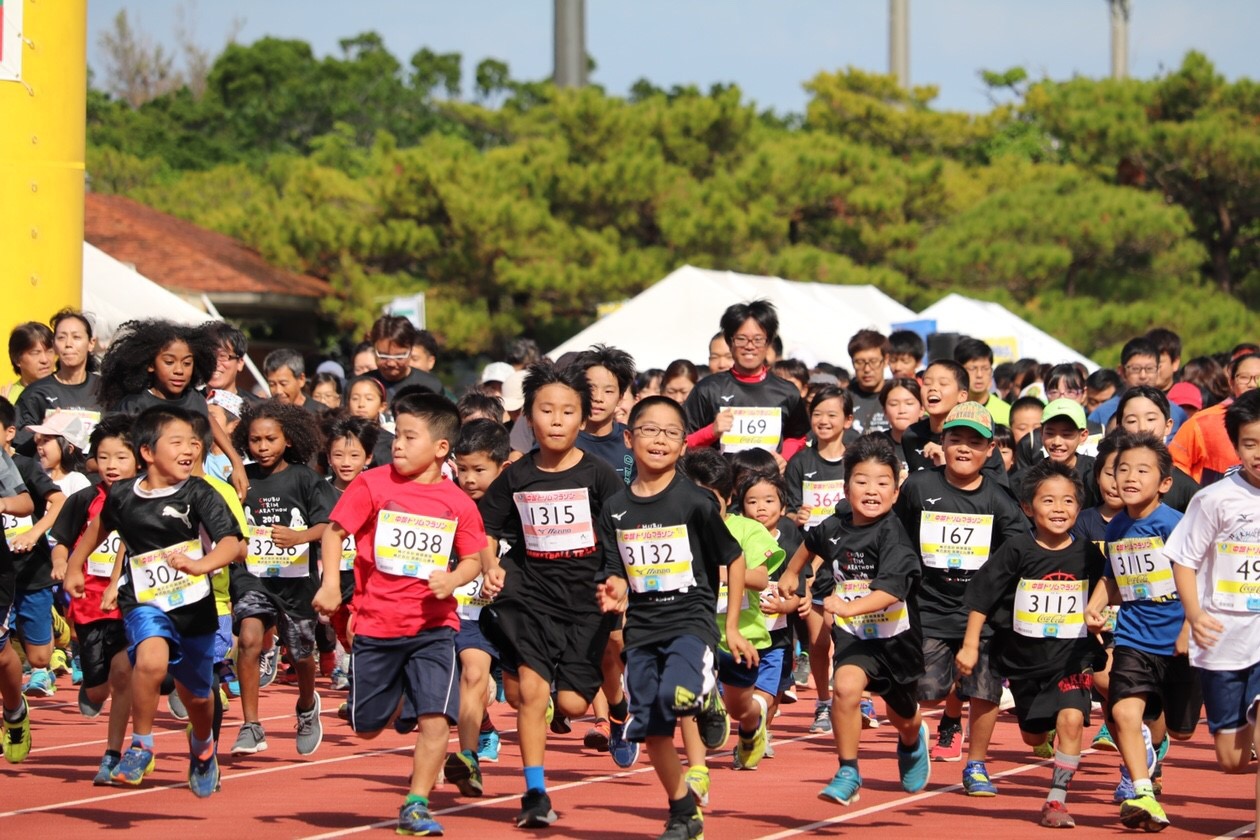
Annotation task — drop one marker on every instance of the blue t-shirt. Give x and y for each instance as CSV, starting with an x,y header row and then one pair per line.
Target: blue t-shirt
x,y
1106,410
1148,625
611,449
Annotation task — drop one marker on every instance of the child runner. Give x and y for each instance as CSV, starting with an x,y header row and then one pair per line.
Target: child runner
x,y
545,621
365,397
410,525
73,387
61,443
169,613
902,400
225,408
15,502
1035,589
1150,680
1145,408
287,508
663,543
1215,553
957,516
878,644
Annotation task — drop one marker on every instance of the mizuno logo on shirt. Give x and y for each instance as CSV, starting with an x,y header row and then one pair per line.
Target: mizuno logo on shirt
x,y
50,399
176,513
933,501
835,540
811,474
617,516
727,398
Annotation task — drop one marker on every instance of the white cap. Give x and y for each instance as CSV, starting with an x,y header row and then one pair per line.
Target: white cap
x,y
497,372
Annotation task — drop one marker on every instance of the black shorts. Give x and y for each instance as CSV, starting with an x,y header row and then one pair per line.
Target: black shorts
x,y
664,682
99,642
782,639
420,669
902,698
940,675
1039,701
566,652
296,634
470,637
1169,684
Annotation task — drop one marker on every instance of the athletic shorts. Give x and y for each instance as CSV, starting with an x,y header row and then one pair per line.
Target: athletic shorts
x,y
783,641
296,634
99,642
902,698
1039,701
419,669
1168,683
470,637
664,682
30,616
738,675
223,639
940,675
191,657
1230,698
566,652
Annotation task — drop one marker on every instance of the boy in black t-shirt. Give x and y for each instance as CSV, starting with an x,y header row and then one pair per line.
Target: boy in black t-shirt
x,y
663,541
165,519
878,641
14,501
1034,591
945,385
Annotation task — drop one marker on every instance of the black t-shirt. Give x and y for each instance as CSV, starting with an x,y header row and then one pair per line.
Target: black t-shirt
x,y
1084,469
654,531
11,484
74,515
1091,526
383,452
554,558
48,395
868,411
1182,491
789,538
611,449
148,521
422,378
808,465
882,554
920,434
723,390
191,400
33,569
946,526
993,592
294,497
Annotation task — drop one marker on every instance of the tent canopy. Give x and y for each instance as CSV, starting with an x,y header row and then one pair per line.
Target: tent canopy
x,y
1001,329
114,293
676,317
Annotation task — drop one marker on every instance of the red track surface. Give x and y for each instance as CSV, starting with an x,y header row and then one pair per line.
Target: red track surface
x,y
354,787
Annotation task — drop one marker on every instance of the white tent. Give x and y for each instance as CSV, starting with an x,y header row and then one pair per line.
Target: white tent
x,y
114,293
1008,334
676,317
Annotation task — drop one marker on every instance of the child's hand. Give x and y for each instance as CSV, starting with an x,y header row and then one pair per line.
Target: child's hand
x,y
492,581
59,564
806,605
611,595
834,605
801,517
778,459
24,542
723,422
326,602
742,651
240,482
109,598
74,584
966,659
1095,621
788,584
935,453
285,537
184,563
442,583
772,603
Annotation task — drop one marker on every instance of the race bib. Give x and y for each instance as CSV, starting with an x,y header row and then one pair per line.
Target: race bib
x,y
348,550
100,562
657,559
753,428
556,520
86,415
774,621
158,584
1236,577
885,624
820,499
955,541
410,545
265,559
1142,571
14,525
1053,609
471,600
724,597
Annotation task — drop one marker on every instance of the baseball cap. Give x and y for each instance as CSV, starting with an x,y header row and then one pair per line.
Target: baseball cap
x,y
514,391
75,429
497,372
226,400
970,415
1064,407
1183,393
329,366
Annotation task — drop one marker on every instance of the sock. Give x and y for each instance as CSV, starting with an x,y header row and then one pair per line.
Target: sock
x,y
849,762
821,705
534,779
618,711
145,742
684,807
114,754
201,749
15,715
415,797
948,723
487,725
1065,767
1144,787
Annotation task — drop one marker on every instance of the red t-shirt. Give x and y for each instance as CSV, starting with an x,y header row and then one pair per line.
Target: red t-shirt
x,y
386,605
88,608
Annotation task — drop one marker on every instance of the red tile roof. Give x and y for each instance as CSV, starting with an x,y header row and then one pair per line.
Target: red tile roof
x,y
184,257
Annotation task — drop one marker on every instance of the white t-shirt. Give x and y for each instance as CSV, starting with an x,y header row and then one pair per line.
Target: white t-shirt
x,y
1220,530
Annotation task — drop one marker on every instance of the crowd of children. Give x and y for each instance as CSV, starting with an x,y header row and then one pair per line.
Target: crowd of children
x,y
674,552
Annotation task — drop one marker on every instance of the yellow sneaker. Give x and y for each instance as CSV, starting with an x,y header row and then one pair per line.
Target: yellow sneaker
x,y
59,663
17,738
1046,748
697,779
750,751
61,631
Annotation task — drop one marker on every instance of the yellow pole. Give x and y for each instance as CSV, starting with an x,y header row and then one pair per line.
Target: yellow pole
x,y
43,119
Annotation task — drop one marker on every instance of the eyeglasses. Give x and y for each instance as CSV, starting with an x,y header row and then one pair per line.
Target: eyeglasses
x,y
978,370
1244,379
650,431
390,357
1073,393
749,341
225,358
1141,370
869,364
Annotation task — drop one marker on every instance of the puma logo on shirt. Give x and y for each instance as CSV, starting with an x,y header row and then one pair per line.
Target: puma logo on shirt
x,y
176,513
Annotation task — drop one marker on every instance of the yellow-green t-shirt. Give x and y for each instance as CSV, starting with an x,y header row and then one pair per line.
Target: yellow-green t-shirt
x,y
219,579
760,549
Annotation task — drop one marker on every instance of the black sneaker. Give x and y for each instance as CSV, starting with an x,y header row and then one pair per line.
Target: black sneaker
x,y
715,725
684,828
535,810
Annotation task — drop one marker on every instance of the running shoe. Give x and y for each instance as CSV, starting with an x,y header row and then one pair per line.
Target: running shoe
x,y
913,764
750,751
1103,740
86,707
624,753
822,720
203,773
843,787
136,763
1054,814
105,771
788,697
870,720
17,738
800,674
714,723
1046,748
268,665
976,781
76,671
1124,790
251,739
560,724
340,680
596,737
59,663
536,810
463,771
40,684
488,747
1143,812
414,820
948,746
176,706
697,779
310,730
684,828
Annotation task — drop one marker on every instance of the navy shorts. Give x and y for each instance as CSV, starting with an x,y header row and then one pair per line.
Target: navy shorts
x,y
1230,698
470,637
30,616
191,657
746,676
664,682
420,669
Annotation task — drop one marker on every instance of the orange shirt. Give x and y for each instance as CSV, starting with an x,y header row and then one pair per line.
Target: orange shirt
x,y
1201,447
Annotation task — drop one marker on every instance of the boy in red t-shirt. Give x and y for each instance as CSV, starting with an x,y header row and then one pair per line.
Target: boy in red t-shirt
x,y
409,523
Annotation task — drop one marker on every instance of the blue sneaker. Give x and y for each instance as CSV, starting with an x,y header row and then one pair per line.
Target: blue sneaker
x,y
624,753
843,787
976,781
105,771
136,763
414,820
488,747
203,774
40,684
76,671
870,720
913,764
1125,790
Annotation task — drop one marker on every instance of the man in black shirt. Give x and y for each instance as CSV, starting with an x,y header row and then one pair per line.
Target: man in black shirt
x,y
392,338
868,350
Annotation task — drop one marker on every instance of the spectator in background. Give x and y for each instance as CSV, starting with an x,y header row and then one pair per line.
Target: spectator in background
x,y
326,387
494,375
905,353
392,338
362,360
522,353
1100,386
869,351
230,347
1208,375
1168,345
285,371
976,357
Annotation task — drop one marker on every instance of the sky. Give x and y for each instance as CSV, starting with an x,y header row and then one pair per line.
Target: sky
x,y
767,47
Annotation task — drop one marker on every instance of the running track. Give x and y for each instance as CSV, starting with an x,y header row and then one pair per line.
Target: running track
x,y
352,787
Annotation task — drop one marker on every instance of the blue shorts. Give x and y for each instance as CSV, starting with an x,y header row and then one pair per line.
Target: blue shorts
x,y
191,657
223,639
664,682
470,637
765,677
30,616
419,669
1230,698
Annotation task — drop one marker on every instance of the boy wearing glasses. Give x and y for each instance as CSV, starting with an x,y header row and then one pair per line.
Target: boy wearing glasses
x,y
869,351
1139,365
976,357
392,337
230,346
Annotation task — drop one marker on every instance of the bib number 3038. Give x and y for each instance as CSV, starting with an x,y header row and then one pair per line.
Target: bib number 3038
x,y
409,545
164,587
